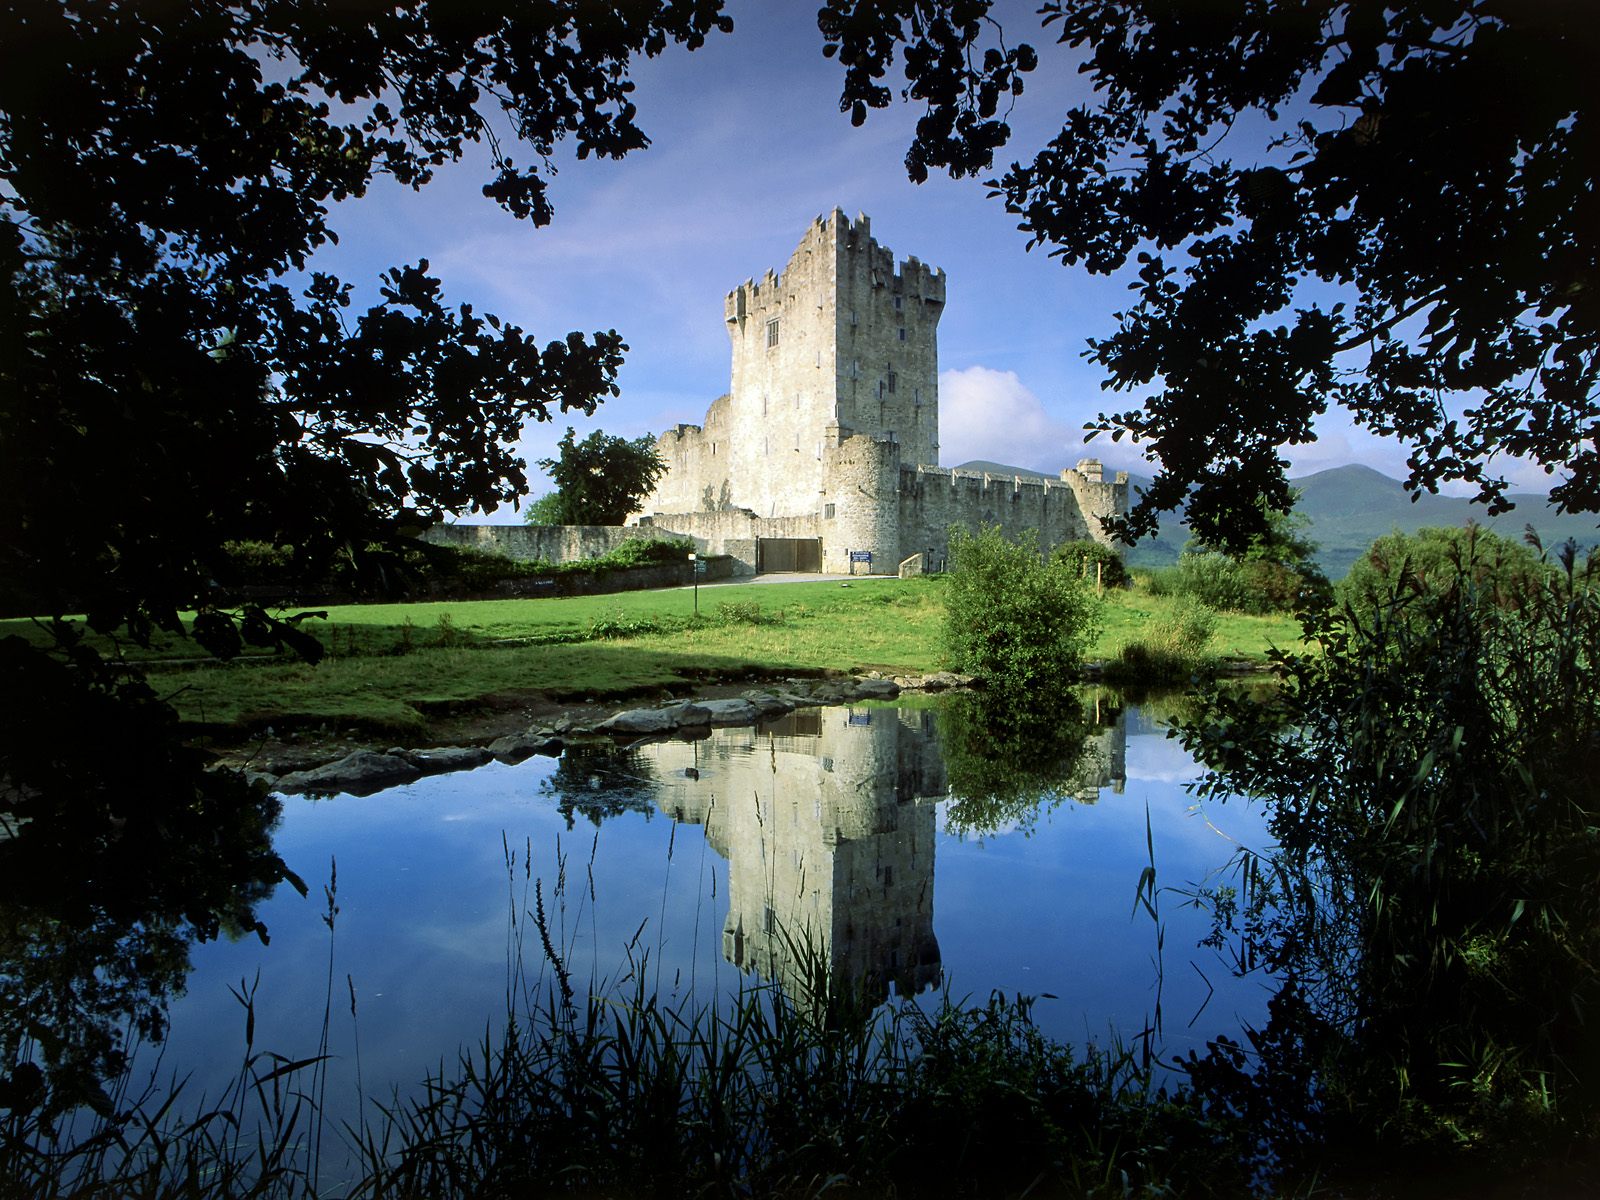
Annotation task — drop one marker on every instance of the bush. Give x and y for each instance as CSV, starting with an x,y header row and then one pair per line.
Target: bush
x,y
1434,559
1084,557
1010,616
1251,585
647,552
255,564
1172,647
1155,581
746,612
1429,772
1215,580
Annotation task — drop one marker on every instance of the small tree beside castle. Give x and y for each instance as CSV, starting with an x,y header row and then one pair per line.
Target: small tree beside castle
x,y
599,480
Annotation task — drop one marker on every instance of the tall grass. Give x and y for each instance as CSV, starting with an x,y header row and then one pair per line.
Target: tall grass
x,y
1174,645
612,1089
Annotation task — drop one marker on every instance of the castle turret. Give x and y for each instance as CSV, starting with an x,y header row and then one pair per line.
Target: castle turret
x,y
861,510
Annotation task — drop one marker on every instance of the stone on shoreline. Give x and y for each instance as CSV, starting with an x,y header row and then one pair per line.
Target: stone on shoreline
x,y
360,773
733,711
656,720
876,689
768,705
515,747
447,758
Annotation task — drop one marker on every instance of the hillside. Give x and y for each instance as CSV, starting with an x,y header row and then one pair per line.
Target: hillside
x,y
1351,506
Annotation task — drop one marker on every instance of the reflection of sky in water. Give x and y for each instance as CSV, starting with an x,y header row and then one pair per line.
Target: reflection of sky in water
x,y
1055,912
425,898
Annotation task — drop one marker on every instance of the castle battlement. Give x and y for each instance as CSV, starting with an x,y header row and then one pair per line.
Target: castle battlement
x,y
829,433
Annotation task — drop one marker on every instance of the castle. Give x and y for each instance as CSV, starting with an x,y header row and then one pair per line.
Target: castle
x,y
827,820
823,456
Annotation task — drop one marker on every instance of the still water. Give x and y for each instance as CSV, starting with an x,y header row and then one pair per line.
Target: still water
x,y
846,825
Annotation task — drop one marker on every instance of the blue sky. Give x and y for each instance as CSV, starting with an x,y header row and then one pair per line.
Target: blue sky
x,y
748,145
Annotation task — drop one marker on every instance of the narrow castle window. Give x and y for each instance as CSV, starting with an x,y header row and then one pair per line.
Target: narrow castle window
x,y
892,378
902,333
827,512
916,395
899,303
772,333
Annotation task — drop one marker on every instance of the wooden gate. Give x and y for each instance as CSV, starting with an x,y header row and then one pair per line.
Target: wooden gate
x,y
788,554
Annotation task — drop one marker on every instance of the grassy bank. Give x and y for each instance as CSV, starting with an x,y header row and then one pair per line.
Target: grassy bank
x,y
393,666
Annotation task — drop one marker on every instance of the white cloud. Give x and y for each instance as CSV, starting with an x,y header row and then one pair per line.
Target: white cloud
x,y
989,414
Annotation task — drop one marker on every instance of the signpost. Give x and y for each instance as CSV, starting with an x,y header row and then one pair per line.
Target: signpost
x,y
694,567
861,556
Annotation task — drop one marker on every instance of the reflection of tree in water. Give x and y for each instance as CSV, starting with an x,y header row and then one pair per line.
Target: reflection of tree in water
x,y
1430,906
599,782
118,848
1010,756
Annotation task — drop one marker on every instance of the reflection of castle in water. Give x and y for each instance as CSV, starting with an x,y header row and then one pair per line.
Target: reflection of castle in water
x,y
826,818
1105,754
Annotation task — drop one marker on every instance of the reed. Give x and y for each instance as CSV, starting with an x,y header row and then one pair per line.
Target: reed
x,y
605,1087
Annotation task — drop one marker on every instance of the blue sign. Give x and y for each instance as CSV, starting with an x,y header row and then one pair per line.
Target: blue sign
x,y
861,556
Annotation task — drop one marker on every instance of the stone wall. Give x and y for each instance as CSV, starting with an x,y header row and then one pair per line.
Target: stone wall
x,y
842,342
831,426
732,532
864,475
528,543
932,499
697,458
781,330
887,335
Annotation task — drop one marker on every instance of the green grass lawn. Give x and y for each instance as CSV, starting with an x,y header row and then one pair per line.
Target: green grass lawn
x,y
391,665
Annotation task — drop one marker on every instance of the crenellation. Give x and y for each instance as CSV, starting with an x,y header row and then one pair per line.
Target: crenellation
x,y
830,428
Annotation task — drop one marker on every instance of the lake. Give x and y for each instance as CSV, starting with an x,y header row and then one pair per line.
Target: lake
x,y
842,825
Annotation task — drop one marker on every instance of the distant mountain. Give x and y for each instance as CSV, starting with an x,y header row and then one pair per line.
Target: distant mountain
x,y
994,468
1350,507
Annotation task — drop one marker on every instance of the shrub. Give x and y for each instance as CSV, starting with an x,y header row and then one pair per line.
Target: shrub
x,y
746,612
1215,580
645,552
1172,647
1010,616
1438,558
1251,585
1085,557
1430,777
255,564
1156,581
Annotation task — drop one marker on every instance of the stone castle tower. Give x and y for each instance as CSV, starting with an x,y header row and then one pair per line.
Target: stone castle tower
x,y
827,442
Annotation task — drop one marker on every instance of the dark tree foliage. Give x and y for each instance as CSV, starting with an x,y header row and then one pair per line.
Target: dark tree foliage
x,y
175,378
1430,903
170,376
1430,163
602,479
